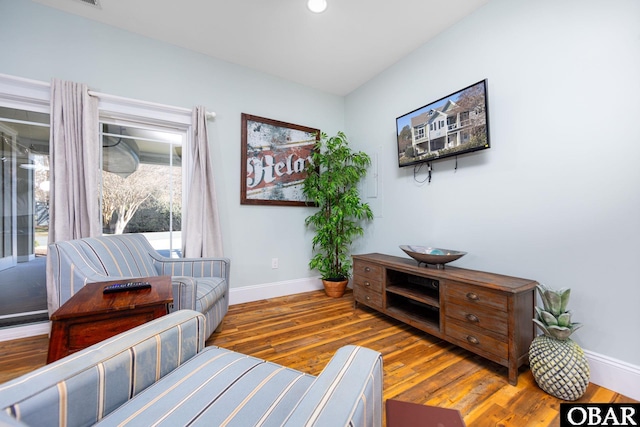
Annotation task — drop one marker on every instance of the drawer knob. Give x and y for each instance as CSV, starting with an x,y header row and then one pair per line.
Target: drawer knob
x,y
472,318
367,284
472,339
472,296
368,298
367,269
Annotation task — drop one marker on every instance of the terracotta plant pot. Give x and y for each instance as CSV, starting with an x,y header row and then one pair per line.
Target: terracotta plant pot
x,y
334,289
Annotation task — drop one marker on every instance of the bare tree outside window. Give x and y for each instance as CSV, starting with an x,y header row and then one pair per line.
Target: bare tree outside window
x,y
148,188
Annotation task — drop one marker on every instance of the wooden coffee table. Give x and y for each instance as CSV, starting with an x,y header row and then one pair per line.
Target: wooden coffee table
x,y
90,316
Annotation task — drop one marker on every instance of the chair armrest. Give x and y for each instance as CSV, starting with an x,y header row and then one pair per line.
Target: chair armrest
x,y
194,267
184,292
348,392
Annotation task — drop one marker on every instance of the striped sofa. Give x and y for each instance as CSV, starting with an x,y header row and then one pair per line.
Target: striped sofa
x,y
160,373
200,284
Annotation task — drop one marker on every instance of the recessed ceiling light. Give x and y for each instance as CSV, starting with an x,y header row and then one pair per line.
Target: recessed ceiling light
x,y
317,6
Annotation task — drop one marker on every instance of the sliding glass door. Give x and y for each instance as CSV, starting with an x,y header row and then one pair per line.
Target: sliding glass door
x,y
24,178
8,195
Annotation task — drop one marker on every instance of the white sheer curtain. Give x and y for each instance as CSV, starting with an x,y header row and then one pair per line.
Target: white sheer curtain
x,y
201,235
74,161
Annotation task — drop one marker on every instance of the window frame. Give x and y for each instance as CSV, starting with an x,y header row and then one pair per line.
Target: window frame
x,y
147,115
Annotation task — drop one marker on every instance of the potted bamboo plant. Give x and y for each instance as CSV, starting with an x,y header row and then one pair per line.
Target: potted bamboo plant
x,y
332,183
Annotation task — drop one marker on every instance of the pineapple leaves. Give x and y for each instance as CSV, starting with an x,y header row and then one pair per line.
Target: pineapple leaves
x,y
548,318
553,319
559,333
542,326
564,299
564,319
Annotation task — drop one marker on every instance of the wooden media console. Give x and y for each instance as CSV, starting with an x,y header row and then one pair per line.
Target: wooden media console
x,y
485,313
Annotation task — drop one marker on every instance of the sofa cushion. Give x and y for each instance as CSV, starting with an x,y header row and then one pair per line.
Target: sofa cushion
x,y
219,387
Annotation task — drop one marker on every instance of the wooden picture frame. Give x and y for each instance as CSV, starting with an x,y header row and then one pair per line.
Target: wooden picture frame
x,y
274,160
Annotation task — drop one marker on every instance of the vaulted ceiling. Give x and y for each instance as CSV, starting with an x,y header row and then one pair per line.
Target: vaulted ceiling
x,y
334,51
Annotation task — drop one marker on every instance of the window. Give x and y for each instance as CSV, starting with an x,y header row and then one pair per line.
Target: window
x,y
145,159
142,183
451,122
419,132
464,118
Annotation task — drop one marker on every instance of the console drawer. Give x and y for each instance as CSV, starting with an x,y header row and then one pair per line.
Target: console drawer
x,y
367,283
479,341
368,270
479,317
476,297
367,297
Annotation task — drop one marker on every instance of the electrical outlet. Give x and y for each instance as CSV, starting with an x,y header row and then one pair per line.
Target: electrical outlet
x,y
274,262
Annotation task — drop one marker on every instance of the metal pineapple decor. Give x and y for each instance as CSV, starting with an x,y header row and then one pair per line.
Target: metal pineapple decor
x,y
558,364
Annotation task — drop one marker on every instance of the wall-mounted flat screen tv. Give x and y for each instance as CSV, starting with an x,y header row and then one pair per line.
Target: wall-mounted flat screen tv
x,y
453,125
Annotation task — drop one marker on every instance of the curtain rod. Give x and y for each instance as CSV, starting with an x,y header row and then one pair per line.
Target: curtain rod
x,y
210,114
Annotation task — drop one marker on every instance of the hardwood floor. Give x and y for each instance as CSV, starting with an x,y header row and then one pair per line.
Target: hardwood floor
x,y
303,331
17,357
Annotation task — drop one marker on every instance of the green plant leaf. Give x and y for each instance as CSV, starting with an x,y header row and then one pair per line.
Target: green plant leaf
x,y
564,319
559,332
564,299
548,318
542,291
542,326
554,301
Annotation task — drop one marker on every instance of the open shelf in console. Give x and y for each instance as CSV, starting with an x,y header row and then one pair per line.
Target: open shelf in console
x,y
422,289
416,313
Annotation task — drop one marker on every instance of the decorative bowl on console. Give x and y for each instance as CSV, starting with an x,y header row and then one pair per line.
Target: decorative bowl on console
x,y
435,256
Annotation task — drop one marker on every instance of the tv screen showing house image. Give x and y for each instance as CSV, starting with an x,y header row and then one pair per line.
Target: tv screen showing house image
x,y
453,125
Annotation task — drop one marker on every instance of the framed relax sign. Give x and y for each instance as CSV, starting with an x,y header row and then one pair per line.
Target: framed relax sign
x,y
275,156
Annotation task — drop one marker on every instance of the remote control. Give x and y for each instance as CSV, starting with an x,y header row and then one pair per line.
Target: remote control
x,y
128,286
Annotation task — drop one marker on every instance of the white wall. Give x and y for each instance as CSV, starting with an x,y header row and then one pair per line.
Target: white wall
x,y
556,198
41,43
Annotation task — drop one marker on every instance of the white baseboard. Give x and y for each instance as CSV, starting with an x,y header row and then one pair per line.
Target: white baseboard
x,y
30,330
621,377
273,290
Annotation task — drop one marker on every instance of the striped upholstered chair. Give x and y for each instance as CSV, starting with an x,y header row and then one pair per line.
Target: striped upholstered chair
x,y
200,284
161,374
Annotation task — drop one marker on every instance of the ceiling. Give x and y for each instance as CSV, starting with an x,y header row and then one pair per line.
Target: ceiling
x,y
335,51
